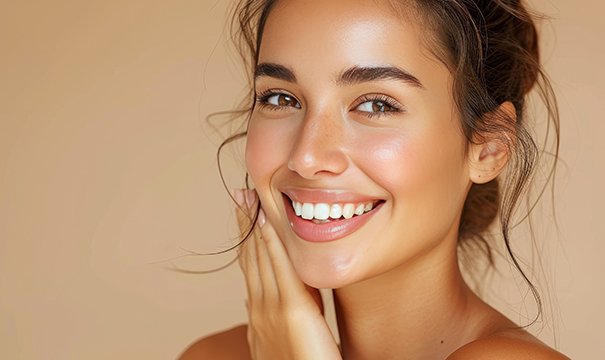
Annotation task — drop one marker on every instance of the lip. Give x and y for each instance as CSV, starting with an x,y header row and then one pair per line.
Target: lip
x,y
329,231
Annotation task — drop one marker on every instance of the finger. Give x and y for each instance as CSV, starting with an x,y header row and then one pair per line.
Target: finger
x,y
257,266
242,223
286,278
243,212
247,255
238,196
252,206
251,338
265,266
250,333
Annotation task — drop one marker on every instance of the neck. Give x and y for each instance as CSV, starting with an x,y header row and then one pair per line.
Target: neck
x,y
419,310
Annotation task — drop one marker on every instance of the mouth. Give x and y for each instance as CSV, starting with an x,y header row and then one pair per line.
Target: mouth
x,y
324,221
321,213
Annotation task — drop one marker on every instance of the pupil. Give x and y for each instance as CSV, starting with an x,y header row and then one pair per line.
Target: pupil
x,y
379,106
284,100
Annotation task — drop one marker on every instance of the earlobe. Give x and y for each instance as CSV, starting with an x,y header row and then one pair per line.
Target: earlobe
x,y
488,157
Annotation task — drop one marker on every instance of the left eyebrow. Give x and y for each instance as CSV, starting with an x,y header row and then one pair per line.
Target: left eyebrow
x,y
359,74
275,71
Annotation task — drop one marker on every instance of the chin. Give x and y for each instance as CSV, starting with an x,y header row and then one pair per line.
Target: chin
x,y
332,274
325,282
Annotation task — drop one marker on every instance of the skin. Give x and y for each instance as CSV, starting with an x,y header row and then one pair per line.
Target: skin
x,y
398,288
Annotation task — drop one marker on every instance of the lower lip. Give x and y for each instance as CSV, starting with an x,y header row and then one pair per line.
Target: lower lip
x,y
329,231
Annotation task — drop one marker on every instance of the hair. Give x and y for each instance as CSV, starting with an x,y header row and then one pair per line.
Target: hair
x,y
491,49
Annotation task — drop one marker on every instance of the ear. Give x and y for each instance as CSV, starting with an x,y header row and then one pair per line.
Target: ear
x,y
489,153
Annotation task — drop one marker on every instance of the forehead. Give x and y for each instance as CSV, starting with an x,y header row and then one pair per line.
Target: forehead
x,y
327,37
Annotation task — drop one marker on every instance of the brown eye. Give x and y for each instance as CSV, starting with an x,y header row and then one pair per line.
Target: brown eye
x,y
283,100
375,106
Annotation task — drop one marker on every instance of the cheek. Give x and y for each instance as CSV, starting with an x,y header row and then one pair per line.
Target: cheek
x,y
393,160
265,151
415,163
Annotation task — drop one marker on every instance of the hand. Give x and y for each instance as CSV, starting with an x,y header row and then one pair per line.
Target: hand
x,y
285,315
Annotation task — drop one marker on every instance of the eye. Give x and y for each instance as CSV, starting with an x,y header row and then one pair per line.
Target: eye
x,y
277,100
373,105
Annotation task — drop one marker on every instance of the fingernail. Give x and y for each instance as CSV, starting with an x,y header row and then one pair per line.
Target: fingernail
x,y
238,195
261,218
250,197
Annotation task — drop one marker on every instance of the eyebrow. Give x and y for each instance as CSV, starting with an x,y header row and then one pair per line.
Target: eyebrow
x,y
351,76
275,71
359,74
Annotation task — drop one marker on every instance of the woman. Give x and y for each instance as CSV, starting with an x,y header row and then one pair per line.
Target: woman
x,y
377,135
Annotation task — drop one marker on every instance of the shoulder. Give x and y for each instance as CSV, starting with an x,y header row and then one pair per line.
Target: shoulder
x,y
226,345
512,344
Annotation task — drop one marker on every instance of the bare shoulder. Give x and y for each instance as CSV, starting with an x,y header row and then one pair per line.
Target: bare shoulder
x,y
226,345
509,344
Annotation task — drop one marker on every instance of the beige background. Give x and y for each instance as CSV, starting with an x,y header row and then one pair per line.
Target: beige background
x,y
106,167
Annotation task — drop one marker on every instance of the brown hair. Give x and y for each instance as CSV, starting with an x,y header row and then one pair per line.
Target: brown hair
x,y
491,49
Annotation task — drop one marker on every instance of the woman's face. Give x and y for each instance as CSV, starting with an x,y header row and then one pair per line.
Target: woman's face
x,y
354,110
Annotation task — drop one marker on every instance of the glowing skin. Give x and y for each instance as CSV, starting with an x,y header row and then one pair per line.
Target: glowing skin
x,y
330,128
322,134
327,135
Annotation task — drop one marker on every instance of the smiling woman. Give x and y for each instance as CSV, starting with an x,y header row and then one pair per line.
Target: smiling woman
x,y
376,137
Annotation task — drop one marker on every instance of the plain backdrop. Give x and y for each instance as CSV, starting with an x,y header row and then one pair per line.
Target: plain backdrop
x,y
107,174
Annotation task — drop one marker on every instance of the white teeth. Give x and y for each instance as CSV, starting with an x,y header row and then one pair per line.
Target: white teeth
x,y
348,211
335,211
359,209
307,211
322,211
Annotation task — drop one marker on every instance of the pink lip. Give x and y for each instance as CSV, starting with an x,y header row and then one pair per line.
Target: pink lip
x,y
326,196
330,231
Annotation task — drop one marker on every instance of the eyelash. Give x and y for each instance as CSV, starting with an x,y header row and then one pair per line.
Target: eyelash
x,y
396,107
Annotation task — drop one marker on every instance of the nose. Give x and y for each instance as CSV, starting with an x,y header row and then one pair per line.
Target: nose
x,y
320,148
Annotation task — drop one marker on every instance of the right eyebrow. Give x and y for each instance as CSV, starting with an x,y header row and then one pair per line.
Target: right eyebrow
x,y
275,71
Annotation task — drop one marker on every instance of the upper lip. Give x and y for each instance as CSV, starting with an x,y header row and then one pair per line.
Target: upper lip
x,y
331,196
